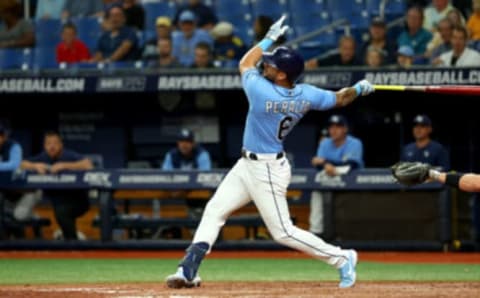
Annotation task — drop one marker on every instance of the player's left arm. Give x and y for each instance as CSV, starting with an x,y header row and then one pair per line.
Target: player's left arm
x,y
251,58
347,95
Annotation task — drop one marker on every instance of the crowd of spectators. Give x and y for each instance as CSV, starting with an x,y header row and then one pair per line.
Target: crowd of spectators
x,y
435,31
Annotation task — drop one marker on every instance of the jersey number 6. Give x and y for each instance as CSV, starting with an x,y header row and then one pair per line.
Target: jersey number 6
x,y
284,127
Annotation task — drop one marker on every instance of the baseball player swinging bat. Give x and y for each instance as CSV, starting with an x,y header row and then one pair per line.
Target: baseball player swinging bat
x,y
262,175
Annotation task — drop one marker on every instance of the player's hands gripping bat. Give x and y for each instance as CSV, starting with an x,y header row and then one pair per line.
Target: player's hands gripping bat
x,y
277,29
410,173
364,87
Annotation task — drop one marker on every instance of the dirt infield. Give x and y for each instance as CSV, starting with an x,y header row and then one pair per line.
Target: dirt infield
x,y
249,289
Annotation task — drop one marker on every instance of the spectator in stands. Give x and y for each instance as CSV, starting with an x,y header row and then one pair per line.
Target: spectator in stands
x,y
227,47
415,35
473,24
165,58
163,31
71,49
120,42
203,56
68,205
260,28
378,39
441,42
83,8
436,11
15,32
336,155
456,17
424,149
188,155
10,150
405,56
49,9
375,57
185,40
134,13
344,57
204,15
460,55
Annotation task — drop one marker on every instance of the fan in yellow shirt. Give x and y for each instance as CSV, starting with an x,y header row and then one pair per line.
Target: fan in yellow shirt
x,y
473,24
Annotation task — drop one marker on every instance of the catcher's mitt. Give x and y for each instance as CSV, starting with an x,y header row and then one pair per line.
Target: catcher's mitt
x,y
410,173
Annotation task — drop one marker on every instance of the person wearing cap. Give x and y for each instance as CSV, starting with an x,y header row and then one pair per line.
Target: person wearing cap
x,y
186,39
337,154
378,39
414,34
163,30
188,155
460,55
120,42
344,57
134,14
205,16
405,56
424,149
227,46
441,41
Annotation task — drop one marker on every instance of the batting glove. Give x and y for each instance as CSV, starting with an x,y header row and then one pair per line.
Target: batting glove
x,y
364,87
277,29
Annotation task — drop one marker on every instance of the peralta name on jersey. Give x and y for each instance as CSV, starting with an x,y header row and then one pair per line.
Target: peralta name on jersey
x,y
287,106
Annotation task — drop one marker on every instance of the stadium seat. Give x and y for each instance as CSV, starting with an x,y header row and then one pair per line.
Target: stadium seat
x,y
271,8
311,19
344,8
89,31
44,58
15,58
156,9
373,6
396,7
308,6
47,32
235,12
326,39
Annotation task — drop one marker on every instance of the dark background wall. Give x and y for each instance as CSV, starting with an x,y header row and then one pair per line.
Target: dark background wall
x,y
382,121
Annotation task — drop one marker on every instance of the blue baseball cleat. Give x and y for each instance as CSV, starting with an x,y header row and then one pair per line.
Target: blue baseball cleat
x,y
348,275
178,280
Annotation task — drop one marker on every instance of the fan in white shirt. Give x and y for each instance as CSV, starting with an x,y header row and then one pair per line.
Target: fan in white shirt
x,y
460,55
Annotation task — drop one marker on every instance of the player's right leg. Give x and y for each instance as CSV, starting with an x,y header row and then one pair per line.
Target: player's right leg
x,y
230,195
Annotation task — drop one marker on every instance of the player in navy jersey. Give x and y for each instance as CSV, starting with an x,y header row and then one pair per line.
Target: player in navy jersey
x,y
276,104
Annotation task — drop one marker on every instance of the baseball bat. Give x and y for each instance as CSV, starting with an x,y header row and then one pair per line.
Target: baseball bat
x,y
447,89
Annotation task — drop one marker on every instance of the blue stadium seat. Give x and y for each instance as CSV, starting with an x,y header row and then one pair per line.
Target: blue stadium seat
x,y
326,39
15,58
47,32
396,7
311,19
89,30
156,9
44,58
344,8
307,6
235,12
271,8
373,6
360,20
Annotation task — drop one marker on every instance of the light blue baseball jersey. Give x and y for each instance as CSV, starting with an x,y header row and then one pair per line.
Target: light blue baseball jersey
x,y
274,110
349,152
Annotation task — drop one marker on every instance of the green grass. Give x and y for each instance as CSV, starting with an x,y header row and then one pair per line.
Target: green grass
x,y
27,271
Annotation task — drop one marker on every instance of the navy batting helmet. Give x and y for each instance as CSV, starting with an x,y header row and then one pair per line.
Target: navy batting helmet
x,y
286,60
